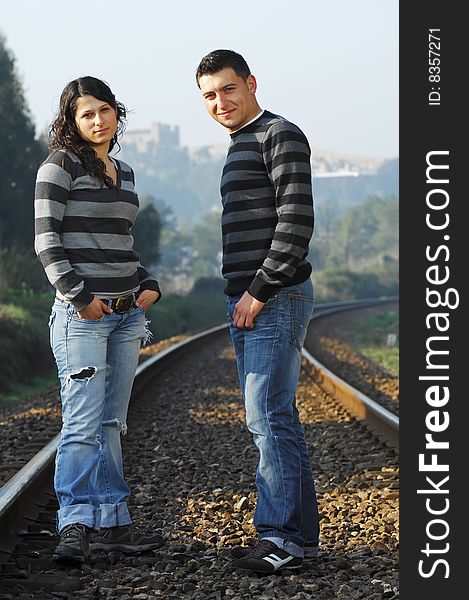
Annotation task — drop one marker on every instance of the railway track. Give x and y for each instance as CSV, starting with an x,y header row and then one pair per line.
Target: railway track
x,y
200,492
379,412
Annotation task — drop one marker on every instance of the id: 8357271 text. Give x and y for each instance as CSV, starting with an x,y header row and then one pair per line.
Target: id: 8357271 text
x,y
434,67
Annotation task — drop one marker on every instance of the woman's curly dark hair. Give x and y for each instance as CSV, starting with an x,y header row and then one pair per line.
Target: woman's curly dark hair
x,y
64,133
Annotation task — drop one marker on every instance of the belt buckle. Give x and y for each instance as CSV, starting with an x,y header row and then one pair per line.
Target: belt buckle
x,y
123,304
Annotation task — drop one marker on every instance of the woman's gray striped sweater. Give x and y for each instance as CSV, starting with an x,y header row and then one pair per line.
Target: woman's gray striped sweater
x,y
83,237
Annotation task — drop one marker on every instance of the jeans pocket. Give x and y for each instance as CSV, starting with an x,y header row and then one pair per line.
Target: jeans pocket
x,y
73,314
231,302
301,310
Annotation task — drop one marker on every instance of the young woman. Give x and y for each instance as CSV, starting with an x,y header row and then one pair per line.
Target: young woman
x,y
85,205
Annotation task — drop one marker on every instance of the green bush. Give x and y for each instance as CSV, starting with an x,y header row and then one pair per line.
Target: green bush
x,y
176,315
20,269
209,286
340,284
24,351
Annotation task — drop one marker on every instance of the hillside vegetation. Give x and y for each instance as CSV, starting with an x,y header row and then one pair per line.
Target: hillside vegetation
x,y
189,180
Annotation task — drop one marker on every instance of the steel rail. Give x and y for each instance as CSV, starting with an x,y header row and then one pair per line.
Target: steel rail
x,y
360,406
381,420
325,308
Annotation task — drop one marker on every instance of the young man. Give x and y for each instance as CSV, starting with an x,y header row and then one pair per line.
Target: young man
x,y
267,224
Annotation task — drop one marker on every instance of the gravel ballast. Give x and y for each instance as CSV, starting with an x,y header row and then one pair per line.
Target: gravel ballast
x,y
190,462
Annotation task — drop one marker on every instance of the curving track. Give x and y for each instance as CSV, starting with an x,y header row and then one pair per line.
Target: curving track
x,y
365,388
328,340
191,466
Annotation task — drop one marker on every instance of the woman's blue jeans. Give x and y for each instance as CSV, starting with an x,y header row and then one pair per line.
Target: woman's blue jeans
x,y
96,362
269,360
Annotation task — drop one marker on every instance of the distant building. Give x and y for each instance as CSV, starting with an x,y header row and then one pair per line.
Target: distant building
x,y
159,133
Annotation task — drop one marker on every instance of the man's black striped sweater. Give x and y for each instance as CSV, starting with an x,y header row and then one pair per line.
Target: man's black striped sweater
x,y
268,215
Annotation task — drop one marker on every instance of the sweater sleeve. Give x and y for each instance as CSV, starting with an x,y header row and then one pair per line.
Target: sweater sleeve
x,y
53,183
147,282
286,155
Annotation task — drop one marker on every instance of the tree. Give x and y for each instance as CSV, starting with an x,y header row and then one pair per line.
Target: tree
x,y
174,241
207,246
322,245
364,233
146,232
20,156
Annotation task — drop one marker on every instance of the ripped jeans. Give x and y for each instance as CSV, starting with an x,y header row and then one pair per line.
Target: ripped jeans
x,y
96,362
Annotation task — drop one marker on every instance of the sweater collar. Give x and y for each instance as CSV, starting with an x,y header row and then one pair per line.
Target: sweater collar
x,y
258,116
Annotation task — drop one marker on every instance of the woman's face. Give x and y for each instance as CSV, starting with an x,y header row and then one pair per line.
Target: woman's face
x,y
96,120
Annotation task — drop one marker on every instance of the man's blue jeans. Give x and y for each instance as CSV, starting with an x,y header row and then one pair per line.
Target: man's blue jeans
x,y
96,362
269,360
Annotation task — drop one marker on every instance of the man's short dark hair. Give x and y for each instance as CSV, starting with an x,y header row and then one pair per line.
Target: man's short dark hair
x,y
221,59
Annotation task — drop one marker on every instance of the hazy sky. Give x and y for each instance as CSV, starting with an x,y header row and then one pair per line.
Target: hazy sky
x,y
330,66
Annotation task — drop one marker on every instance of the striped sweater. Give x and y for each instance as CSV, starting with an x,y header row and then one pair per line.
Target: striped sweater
x,y
82,231
268,215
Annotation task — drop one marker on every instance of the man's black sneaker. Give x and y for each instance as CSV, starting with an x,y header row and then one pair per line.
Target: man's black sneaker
x,y
74,545
125,539
267,557
241,551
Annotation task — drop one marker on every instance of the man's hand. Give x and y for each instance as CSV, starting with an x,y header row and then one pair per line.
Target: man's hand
x,y
147,298
94,310
246,310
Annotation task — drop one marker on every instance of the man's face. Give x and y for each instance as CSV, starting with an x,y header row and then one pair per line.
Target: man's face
x,y
229,99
